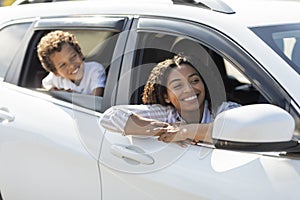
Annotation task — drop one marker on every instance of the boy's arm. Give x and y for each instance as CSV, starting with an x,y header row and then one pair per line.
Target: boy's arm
x,y
98,76
98,91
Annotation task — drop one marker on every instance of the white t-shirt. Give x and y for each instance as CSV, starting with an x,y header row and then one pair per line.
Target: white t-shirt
x,y
94,76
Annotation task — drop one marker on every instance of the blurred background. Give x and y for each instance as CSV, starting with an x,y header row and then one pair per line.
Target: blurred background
x,y
6,2
18,2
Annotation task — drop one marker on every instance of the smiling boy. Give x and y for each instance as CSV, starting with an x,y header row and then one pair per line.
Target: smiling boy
x,y
61,55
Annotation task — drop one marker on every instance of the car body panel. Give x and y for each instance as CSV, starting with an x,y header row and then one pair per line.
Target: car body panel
x,y
190,176
35,156
55,149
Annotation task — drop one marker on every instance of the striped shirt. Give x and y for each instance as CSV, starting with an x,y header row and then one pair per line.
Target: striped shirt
x,y
115,118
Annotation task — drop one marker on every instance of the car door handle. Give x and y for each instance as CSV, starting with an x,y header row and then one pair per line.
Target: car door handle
x,y
5,115
131,153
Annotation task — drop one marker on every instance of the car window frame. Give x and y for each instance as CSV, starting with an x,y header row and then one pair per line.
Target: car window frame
x,y
9,26
14,73
218,42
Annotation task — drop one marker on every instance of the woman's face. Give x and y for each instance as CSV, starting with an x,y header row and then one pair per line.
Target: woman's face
x,y
68,63
185,89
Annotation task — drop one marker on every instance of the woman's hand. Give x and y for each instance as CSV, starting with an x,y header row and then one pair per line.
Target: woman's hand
x,y
187,133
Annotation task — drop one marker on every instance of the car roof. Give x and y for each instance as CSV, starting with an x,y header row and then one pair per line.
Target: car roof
x,y
251,12
245,12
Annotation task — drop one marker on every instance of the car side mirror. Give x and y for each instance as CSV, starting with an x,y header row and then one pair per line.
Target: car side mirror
x,y
257,123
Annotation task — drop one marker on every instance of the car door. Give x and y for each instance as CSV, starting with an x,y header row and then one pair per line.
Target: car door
x,y
50,142
144,168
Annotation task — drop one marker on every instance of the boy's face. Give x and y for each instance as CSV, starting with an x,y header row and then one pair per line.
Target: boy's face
x,y
68,63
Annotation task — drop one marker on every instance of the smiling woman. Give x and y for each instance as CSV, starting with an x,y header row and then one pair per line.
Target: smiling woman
x,y
186,91
178,108
180,86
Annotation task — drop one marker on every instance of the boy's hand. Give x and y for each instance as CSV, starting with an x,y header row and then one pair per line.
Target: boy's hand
x,y
56,89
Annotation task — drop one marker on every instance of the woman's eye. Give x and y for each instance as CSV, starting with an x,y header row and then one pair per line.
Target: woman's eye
x,y
196,80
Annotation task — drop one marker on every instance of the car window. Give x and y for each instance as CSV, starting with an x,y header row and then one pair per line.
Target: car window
x,y
10,40
284,40
96,45
233,72
224,80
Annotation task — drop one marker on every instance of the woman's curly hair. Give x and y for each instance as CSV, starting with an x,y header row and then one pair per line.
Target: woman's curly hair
x,y
155,89
53,42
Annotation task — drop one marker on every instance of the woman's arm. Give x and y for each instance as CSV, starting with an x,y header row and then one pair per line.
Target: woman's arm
x,y
137,125
134,119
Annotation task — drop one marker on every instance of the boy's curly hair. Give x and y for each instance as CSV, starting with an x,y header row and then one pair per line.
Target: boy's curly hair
x,y
155,89
53,42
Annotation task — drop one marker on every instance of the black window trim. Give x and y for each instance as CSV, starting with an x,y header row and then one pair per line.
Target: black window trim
x,y
14,68
13,74
98,22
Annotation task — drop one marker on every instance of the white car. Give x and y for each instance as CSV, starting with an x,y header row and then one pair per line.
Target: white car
x,y
53,147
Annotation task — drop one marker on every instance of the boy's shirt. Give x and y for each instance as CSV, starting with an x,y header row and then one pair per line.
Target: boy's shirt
x,y
94,76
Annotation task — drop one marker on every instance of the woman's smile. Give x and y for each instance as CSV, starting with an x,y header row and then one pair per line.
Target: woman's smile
x,y
191,98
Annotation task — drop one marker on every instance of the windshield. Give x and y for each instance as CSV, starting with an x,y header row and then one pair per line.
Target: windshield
x,y
285,40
